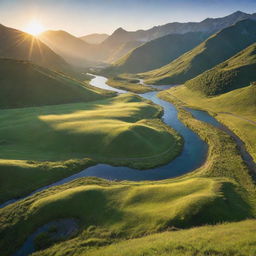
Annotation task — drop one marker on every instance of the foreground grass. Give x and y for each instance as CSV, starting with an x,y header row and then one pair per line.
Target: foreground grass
x,y
123,130
20,177
234,109
111,212
129,85
234,239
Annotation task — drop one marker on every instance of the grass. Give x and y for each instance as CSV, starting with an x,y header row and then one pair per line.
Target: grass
x,y
111,212
234,239
156,53
129,85
122,130
234,73
233,109
24,84
208,54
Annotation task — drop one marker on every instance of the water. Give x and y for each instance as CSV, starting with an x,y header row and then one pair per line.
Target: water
x,y
192,156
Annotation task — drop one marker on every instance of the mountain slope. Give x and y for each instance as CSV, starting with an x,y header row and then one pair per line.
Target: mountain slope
x,y
157,53
94,38
23,84
210,25
236,72
72,49
19,45
211,52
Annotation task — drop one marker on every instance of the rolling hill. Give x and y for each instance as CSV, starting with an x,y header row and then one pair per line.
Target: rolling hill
x,y
16,44
208,54
157,53
94,38
236,72
23,84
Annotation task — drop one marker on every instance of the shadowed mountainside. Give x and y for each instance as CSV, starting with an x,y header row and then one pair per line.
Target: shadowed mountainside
x,y
208,54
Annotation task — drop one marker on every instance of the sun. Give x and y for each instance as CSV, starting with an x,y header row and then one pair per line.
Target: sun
x,y
34,28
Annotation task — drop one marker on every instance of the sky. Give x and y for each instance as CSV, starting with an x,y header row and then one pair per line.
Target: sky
x,y
81,17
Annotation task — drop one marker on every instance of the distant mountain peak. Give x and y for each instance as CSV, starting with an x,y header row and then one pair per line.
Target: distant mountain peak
x,y
120,30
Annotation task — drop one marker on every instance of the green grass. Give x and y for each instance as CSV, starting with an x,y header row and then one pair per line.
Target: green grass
x,y
234,239
23,84
111,212
236,72
208,54
129,85
156,53
240,102
123,130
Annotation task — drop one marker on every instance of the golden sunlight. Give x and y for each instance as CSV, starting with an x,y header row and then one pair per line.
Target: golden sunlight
x,y
34,28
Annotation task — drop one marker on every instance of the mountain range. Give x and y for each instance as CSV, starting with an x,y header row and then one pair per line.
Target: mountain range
x,y
94,38
208,54
157,52
121,42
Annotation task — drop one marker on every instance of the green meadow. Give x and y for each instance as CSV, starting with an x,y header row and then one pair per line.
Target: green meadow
x,y
122,130
131,85
110,212
235,109
234,239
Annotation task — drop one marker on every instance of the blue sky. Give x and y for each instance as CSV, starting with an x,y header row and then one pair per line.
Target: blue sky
x,y
82,17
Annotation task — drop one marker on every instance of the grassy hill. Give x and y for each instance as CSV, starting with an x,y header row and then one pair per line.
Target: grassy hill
x,y
208,54
157,53
237,72
123,130
226,239
23,84
236,109
111,212
16,44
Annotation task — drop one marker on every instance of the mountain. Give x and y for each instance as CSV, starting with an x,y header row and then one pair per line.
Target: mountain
x,y
72,49
94,38
157,53
236,72
208,54
210,25
115,53
19,45
23,84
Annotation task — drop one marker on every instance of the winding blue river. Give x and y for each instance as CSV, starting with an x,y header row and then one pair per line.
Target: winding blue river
x,y
193,155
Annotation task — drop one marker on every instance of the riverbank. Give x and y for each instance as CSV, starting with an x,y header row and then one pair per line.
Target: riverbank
x,y
220,190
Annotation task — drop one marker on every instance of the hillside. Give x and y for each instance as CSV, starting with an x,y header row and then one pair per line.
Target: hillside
x,y
74,50
211,52
19,45
234,239
236,109
94,38
24,84
157,53
110,212
236,72
40,145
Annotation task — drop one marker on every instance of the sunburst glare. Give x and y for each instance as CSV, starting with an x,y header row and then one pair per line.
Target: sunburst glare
x,y
34,28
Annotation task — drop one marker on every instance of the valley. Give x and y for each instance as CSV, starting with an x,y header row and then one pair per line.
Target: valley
x,y
138,142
